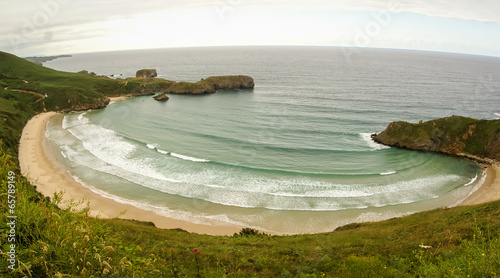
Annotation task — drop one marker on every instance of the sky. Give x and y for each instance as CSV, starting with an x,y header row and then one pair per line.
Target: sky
x,y
53,27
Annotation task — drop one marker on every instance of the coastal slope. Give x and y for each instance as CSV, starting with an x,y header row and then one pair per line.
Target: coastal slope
x,y
43,89
456,136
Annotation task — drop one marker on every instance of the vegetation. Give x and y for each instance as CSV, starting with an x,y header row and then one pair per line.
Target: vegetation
x,y
454,135
53,90
53,242
212,84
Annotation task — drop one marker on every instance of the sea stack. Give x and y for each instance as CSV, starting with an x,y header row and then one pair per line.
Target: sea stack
x,y
146,73
161,97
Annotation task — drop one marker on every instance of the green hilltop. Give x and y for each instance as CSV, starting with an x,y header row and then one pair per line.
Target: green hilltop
x,y
54,242
456,136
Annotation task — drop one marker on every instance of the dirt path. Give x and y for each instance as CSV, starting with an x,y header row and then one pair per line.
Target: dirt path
x,y
29,92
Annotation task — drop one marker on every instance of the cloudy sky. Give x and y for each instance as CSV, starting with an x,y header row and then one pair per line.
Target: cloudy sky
x,y
48,27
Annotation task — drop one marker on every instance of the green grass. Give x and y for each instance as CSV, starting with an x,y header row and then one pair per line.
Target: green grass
x,y
53,242
451,135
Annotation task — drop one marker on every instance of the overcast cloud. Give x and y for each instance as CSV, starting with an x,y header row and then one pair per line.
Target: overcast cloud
x,y
36,27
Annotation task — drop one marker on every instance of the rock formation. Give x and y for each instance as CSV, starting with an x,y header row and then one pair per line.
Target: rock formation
x,y
197,88
456,136
101,103
230,82
161,97
212,84
146,73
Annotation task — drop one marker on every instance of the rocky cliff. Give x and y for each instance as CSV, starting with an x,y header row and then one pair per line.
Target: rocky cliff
x,y
456,136
146,73
99,104
212,84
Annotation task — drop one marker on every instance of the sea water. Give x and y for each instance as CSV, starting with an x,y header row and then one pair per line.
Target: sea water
x,y
293,155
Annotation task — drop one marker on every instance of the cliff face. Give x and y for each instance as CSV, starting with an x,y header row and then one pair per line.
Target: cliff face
x,y
457,136
99,104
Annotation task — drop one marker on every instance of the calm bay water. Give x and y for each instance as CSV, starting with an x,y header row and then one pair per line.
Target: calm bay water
x,y
294,154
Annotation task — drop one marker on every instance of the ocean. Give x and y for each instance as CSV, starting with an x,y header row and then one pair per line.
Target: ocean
x,y
294,154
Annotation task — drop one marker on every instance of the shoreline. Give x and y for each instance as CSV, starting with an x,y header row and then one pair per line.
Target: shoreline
x,y
119,98
39,165
488,191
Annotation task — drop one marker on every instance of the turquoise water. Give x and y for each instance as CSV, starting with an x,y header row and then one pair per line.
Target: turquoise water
x,y
294,154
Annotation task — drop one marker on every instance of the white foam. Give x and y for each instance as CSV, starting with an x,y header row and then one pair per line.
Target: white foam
x,y
326,194
367,137
497,114
471,181
65,122
474,189
388,173
152,146
161,151
111,148
81,117
189,158
198,218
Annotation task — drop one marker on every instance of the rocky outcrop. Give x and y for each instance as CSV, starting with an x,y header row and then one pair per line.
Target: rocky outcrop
x,y
161,97
456,136
146,73
230,82
197,88
212,84
101,103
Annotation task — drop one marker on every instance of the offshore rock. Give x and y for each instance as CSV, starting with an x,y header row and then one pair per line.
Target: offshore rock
x,y
146,73
161,97
457,136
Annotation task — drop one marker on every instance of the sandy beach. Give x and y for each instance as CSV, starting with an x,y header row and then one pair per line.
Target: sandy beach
x,y
39,165
489,190
116,99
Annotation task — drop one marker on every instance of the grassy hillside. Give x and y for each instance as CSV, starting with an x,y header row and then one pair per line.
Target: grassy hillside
x,y
454,135
50,242
63,91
